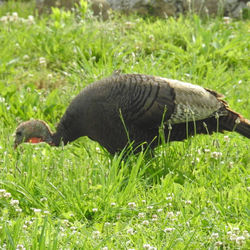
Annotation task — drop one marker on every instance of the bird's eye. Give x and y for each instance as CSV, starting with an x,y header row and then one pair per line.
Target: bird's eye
x,y
18,133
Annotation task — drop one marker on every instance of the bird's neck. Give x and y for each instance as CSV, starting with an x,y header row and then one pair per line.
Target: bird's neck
x,y
60,136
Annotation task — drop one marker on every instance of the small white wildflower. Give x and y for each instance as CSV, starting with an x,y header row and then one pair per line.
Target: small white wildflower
x,y
25,226
146,246
130,231
95,210
168,230
31,19
188,202
7,195
20,247
19,210
215,235
43,199
170,214
26,57
169,198
169,204
237,121
216,155
141,215
154,217
37,210
132,204
227,20
14,202
159,210
236,229
226,138
233,237
105,248
46,212
4,19
113,204
145,223
240,240
246,234
152,248
96,234
42,61
178,213
218,243
229,233
28,222
118,216
2,192
150,207
106,224
206,150
143,201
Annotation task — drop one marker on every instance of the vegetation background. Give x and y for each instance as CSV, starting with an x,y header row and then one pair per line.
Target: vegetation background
x,y
190,195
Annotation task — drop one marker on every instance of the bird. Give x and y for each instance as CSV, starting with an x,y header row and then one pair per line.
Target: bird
x,y
133,109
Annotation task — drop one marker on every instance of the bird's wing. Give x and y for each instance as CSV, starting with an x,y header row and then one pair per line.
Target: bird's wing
x,y
160,100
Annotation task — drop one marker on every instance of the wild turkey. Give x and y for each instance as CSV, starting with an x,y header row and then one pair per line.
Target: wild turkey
x,y
131,108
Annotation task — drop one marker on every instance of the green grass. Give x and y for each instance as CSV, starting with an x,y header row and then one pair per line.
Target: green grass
x,y
190,195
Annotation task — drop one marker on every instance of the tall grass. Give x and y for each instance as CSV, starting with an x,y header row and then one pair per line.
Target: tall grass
x,y
189,195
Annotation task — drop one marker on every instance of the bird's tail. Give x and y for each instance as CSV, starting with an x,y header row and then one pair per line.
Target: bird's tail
x,y
243,127
236,122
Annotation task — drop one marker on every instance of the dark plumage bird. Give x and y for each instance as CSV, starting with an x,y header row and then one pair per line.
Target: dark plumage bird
x,y
131,108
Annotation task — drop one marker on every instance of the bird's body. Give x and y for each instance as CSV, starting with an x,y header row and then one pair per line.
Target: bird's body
x,y
132,107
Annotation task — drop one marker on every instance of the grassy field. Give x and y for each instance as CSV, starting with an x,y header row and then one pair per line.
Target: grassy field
x,y
190,195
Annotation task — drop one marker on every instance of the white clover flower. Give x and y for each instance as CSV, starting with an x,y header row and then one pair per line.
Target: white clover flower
x,y
150,207
26,57
4,19
218,243
46,212
215,235
118,216
106,224
227,20
131,231
226,138
113,204
145,223
14,202
169,198
2,191
132,204
7,195
146,246
31,20
25,226
188,202
95,210
42,61
246,234
20,247
96,234
240,240
159,210
19,210
236,229
105,248
233,237
37,210
170,214
168,230
141,215
143,201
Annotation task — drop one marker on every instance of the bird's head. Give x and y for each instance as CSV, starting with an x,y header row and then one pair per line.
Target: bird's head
x,y
33,131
